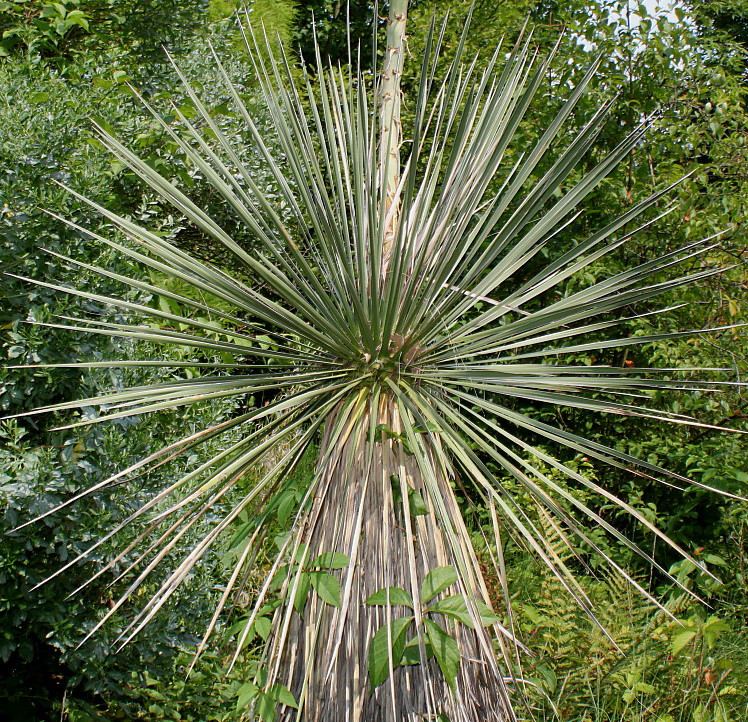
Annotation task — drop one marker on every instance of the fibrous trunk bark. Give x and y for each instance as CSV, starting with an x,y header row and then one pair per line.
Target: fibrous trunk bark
x,y
390,127
357,512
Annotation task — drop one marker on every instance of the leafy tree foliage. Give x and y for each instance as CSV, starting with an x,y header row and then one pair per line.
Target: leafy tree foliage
x,y
45,138
57,30
727,17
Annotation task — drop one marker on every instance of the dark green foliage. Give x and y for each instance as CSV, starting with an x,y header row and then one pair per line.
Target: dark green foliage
x,y
57,30
694,80
45,136
330,21
727,17
40,629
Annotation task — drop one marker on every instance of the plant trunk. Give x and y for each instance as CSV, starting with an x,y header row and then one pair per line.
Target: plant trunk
x,y
355,512
390,126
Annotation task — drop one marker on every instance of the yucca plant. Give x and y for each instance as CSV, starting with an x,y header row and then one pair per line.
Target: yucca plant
x,y
388,338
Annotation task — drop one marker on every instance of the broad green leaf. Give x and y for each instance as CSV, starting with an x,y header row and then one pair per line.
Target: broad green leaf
x,y
283,695
236,627
436,581
412,653
327,586
245,694
446,651
713,628
417,504
548,678
716,625
455,607
392,596
261,677
280,540
679,641
330,560
389,641
279,577
265,707
302,592
262,627
286,506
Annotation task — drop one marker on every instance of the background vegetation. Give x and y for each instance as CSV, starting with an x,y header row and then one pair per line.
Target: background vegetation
x,y
66,62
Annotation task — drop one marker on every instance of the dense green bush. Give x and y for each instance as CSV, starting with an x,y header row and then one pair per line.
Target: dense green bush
x,y
680,663
57,30
46,137
692,79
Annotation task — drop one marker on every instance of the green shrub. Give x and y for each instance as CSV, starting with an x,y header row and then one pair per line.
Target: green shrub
x,y
57,30
680,663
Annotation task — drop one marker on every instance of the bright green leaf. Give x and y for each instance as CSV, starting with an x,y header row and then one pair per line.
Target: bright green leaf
x,y
455,607
392,596
245,694
446,651
302,592
681,640
330,560
262,626
380,649
265,707
283,695
436,581
327,586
